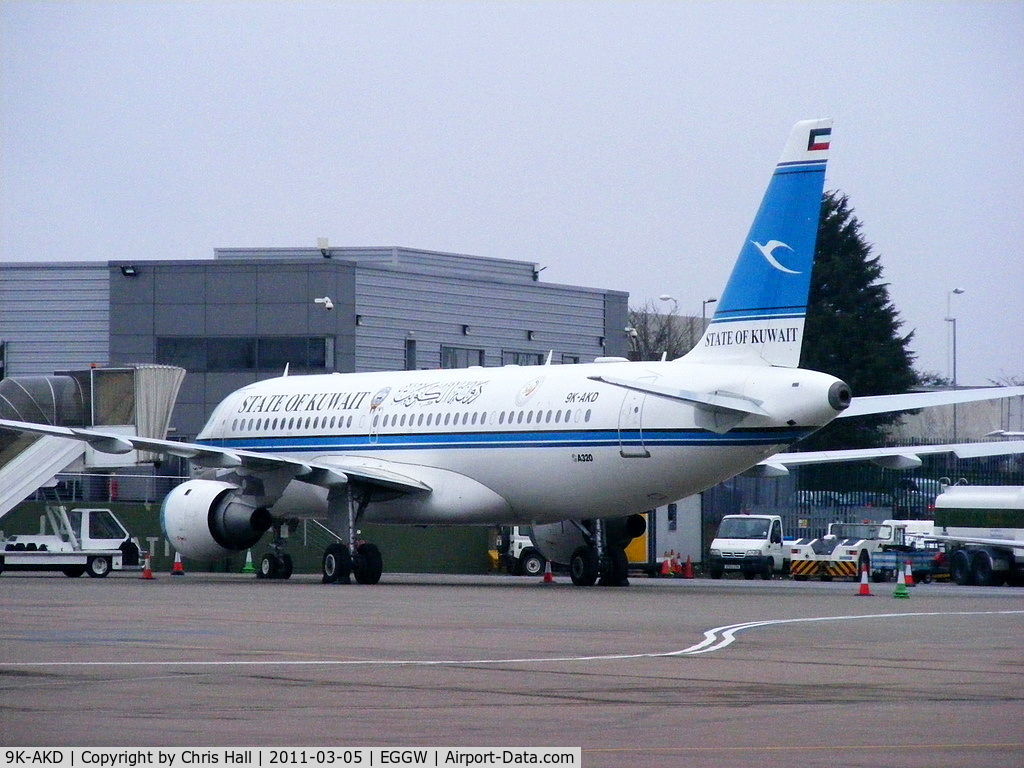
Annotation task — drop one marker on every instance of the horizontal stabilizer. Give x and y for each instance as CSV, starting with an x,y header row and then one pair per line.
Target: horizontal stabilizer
x,y
863,406
720,401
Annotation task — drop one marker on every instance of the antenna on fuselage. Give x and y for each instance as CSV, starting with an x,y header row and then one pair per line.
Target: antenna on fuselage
x,y
551,353
285,370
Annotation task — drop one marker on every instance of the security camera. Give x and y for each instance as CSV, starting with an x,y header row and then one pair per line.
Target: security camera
x,y
326,301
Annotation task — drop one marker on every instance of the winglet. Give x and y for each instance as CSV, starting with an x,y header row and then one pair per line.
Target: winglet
x,y
759,318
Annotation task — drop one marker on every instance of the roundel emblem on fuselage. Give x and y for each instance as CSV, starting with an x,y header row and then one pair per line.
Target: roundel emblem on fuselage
x,y
379,397
528,390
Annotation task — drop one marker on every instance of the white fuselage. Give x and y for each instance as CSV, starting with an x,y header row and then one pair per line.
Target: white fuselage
x,y
540,443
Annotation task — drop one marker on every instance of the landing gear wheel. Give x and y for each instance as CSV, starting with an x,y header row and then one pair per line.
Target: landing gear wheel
x,y
98,567
285,566
367,565
268,567
337,564
617,569
583,567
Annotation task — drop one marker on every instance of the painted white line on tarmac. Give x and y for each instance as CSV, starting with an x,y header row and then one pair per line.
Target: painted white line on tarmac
x,y
714,640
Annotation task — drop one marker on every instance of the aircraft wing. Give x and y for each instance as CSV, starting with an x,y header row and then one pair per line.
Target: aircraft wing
x,y
863,406
902,457
338,472
990,542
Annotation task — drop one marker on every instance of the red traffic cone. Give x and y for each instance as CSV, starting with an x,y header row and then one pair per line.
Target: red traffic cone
x,y
177,569
548,577
688,568
666,566
865,590
147,570
908,575
677,567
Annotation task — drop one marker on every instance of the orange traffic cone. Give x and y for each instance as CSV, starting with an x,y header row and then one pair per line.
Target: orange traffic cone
x,y
147,571
688,568
666,566
177,569
908,576
677,567
548,577
865,590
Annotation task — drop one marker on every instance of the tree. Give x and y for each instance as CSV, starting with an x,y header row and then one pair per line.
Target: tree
x,y
852,329
653,334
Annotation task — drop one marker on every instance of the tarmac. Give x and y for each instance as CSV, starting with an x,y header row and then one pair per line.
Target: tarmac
x,y
664,672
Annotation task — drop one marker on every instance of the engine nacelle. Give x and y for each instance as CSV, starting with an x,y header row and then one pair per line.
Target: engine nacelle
x,y
209,519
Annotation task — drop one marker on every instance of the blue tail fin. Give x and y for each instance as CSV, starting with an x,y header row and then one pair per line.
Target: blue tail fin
x,y
759,319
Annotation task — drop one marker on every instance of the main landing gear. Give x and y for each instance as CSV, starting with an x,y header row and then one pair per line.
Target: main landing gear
x,y
341,560
340,565
598,561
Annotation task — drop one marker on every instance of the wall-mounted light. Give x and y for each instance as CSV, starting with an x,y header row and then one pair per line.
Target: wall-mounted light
x,y
359,319
465,330
321,243
129,270
530,335
326,302
600,341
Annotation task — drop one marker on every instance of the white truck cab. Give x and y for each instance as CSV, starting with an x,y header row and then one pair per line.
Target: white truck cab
x,y
748,544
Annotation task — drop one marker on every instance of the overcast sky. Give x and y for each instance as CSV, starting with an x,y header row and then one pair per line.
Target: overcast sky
x,y
619,145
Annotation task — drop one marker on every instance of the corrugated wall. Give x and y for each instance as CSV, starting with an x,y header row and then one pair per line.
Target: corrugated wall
x,y
54,316
432,310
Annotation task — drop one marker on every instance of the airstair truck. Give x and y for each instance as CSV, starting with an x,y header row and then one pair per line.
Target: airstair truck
x,y
749,544
983,530
81,541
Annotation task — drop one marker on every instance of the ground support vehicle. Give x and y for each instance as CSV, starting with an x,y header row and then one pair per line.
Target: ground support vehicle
x,y
982,528
516,552
925,565
751,545
848,548
81,541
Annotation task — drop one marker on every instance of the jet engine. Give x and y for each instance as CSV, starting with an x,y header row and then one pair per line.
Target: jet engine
x,y
210,519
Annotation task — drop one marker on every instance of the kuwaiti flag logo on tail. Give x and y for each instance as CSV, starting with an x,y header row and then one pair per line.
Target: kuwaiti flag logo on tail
x,y
818,139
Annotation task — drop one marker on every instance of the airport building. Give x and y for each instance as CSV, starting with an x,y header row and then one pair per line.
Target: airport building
x,y
247,313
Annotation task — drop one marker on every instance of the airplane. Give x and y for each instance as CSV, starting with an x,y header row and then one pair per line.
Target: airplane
x,y
572,446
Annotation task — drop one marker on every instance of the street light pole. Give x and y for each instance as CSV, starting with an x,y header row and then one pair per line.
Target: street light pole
x,y
952,322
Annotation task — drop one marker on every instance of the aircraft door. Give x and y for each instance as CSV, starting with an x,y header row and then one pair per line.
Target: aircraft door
x,y
631,433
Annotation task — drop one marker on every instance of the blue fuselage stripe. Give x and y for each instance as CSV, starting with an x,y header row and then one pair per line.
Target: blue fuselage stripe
x,y
491,440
